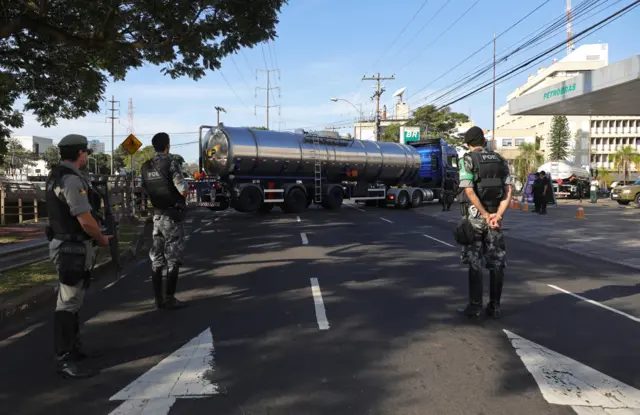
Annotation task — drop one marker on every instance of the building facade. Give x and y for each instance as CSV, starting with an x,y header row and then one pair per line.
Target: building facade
x,y
96,146
594,139
37,145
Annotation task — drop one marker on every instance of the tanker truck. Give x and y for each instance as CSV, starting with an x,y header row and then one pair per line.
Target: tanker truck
x,y
569,180
254,170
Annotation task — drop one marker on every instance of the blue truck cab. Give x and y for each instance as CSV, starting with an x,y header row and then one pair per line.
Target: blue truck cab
x,y
434,166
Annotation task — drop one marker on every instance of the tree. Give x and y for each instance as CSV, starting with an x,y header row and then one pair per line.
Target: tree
x,y
527,161
436,123
58,54
18,158
142,155
623,159
559,137
391,133
51,156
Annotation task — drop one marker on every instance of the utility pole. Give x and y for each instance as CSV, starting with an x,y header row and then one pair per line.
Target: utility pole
x,y
218,109
113,119
493,128
268,89
376,96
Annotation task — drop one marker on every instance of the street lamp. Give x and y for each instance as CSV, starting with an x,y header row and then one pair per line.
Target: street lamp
x,y
356,108
218,109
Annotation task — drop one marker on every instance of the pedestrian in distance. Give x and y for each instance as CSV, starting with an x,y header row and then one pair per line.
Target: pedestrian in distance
x,y
593,189
166,188
536,190
487,187
73,206
448,193
546,192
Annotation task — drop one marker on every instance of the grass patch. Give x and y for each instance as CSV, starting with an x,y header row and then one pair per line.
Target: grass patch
x,y
10,239
18,280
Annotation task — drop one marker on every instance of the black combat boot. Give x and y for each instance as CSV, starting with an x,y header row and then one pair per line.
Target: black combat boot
x,y
172,281
474,308
78,350
156,281
64,339
496,280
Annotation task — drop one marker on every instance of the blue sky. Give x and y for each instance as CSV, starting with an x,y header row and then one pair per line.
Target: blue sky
x,y
323,49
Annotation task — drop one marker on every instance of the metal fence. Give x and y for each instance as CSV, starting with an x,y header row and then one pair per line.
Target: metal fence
x,y
22,202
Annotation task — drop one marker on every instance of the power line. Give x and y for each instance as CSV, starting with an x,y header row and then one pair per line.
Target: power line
x,y
533,60
268,90
400,34
421,29
477,51
240,73
535,38
233,90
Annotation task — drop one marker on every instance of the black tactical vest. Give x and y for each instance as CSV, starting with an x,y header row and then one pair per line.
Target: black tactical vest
x,y
489,178
63,225
156,176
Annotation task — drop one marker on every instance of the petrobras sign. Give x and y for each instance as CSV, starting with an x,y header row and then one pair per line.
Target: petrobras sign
x,y
408,134
560,91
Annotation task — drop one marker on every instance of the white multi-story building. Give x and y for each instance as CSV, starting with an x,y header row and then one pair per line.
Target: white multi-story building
x,y
607,133
37,145
97,146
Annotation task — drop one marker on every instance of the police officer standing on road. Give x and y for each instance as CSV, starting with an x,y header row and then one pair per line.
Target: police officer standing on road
x,y
72,205
448,192
536,190
484,176
166,187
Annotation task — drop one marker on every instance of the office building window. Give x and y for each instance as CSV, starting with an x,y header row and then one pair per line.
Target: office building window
x,y
507,142
519,141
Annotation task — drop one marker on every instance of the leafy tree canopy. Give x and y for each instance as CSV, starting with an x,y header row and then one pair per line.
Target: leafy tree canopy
x,y
391,133
58,54
436,123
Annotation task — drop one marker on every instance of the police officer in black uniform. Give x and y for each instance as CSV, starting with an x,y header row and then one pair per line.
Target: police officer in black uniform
x,y
487,184
72,204
166,187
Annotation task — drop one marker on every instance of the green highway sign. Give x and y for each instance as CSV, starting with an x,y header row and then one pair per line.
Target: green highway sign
x,y
560,91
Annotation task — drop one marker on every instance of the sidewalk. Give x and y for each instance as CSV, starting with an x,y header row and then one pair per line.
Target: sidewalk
x,y
610,233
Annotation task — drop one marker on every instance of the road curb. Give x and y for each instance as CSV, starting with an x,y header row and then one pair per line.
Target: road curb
x,y
41,295
553,246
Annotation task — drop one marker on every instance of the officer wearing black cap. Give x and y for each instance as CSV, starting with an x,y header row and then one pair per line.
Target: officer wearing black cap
x,y
72,205
166,187
484,176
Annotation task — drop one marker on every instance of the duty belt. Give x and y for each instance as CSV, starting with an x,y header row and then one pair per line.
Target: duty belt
x,y
71,237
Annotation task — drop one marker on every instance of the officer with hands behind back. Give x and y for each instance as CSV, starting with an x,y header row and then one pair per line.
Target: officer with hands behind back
x,y
72,204
484,176
166,188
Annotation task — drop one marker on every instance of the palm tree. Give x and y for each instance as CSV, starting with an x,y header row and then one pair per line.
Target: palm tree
x,y
527,161
623,159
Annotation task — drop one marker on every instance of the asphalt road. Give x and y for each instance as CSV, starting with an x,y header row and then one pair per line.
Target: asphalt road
x,y
394,342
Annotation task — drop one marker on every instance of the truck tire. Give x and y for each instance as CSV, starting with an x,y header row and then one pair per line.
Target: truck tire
x,y
402,202
416,199
333,198
249,200
295,201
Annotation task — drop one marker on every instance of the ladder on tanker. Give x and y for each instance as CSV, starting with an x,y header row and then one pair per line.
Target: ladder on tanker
x,y
317,169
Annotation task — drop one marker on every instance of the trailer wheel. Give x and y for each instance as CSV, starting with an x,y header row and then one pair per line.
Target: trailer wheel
x,y
403,200
416,199
295,201
249,200
333,199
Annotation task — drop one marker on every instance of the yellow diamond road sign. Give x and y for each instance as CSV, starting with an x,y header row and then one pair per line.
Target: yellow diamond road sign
x,y
131,144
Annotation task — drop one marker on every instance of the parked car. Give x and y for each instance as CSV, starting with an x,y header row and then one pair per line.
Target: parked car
x,y
626,194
